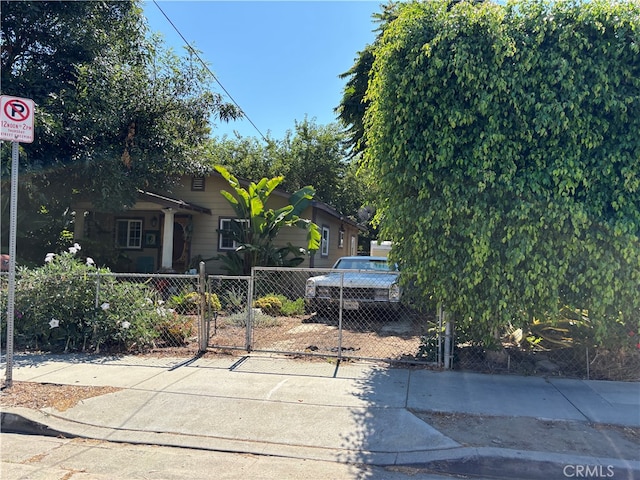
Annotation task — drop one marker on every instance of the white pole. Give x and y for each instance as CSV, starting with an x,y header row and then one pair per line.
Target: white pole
x,y
447,342
13,221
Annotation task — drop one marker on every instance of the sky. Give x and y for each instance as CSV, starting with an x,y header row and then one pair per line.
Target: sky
x,y
279,61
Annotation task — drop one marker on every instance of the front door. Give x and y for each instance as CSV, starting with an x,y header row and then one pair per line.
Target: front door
x,y
181,243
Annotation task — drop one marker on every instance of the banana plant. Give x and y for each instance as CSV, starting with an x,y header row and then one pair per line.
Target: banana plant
x,y
256,237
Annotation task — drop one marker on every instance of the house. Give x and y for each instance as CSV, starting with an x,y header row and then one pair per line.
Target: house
x,y
173,232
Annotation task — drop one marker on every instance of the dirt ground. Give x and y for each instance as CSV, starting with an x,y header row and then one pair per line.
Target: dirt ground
x,y
364,335
480,431
607,441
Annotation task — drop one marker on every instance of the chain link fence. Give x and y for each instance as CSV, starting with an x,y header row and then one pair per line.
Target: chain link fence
x,y
572,359
342,313
227,312
105,313
311,312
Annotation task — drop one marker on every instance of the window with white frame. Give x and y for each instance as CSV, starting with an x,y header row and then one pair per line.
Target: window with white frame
x,y
324,247
128,233
226,241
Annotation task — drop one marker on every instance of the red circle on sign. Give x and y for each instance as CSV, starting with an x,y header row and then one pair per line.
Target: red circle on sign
x,y
19,114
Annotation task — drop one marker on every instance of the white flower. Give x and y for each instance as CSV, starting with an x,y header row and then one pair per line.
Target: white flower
x,y
125,324
73,250
90,262
54,323
77,246
49,257
105,306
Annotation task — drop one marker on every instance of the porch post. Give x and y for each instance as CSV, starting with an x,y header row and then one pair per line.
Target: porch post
x,y
167,238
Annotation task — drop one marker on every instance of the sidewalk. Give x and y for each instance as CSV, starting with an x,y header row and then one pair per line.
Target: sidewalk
x,y
352,413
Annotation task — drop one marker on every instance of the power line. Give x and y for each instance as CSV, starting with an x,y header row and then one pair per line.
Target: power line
x,y
194,52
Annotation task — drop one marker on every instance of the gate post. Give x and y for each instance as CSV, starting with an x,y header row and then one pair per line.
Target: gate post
x,y
202,320
448,342
250,288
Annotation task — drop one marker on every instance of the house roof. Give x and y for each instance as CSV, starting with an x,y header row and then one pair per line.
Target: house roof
x,y
172,202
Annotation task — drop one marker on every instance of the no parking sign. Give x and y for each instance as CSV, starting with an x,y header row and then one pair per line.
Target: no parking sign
x,y
16,125
16,119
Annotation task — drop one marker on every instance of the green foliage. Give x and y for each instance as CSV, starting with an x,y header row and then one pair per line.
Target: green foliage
x,y
428,349
116,111
57,307
234,300
278,304
309,151
270,305
257,239
354,102
239,319
189,302
175,329
291,308
504,143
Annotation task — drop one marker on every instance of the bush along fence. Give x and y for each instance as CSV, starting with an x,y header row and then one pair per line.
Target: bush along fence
x,y
69,305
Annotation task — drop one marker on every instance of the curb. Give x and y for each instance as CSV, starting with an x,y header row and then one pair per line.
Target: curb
x,y
503,463
500,463
16,423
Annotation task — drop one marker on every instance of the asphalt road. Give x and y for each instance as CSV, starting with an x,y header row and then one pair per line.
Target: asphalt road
x,y
39,458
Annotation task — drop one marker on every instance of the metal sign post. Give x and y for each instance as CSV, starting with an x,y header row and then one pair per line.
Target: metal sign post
x,y
16,125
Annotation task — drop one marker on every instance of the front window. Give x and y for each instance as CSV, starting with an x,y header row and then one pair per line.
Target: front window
x,y
324,249
128,233
226,240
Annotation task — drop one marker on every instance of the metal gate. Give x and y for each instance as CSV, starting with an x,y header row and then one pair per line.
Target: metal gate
x,y
267,312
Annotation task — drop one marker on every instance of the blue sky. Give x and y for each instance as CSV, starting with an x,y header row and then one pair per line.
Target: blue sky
x,y
280,61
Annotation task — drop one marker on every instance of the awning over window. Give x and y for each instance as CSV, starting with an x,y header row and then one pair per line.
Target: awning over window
x,y
172,202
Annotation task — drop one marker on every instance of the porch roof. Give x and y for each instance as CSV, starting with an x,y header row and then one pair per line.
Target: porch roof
x,y
172,202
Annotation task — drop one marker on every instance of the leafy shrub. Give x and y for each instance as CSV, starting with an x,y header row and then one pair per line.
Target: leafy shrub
x,y
211,300
175,329
189,302
234,300
270,305
291,308
275,305
70,305
259,320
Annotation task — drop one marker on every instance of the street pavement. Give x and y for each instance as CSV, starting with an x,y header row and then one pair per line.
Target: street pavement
x,y
350,413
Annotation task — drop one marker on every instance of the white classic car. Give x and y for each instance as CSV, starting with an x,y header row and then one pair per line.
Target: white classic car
x,y
359,282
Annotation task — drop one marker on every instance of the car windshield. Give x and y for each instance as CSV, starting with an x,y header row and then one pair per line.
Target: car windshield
x,y
364,264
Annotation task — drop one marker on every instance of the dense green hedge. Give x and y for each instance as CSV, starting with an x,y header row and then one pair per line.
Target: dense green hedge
x,y
505,143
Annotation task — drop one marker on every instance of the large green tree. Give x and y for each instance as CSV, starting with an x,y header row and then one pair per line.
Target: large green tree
x,y
115,110
505,141
308,154
354,101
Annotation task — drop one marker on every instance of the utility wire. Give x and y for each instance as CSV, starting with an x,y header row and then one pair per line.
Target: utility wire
x,y
194,52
